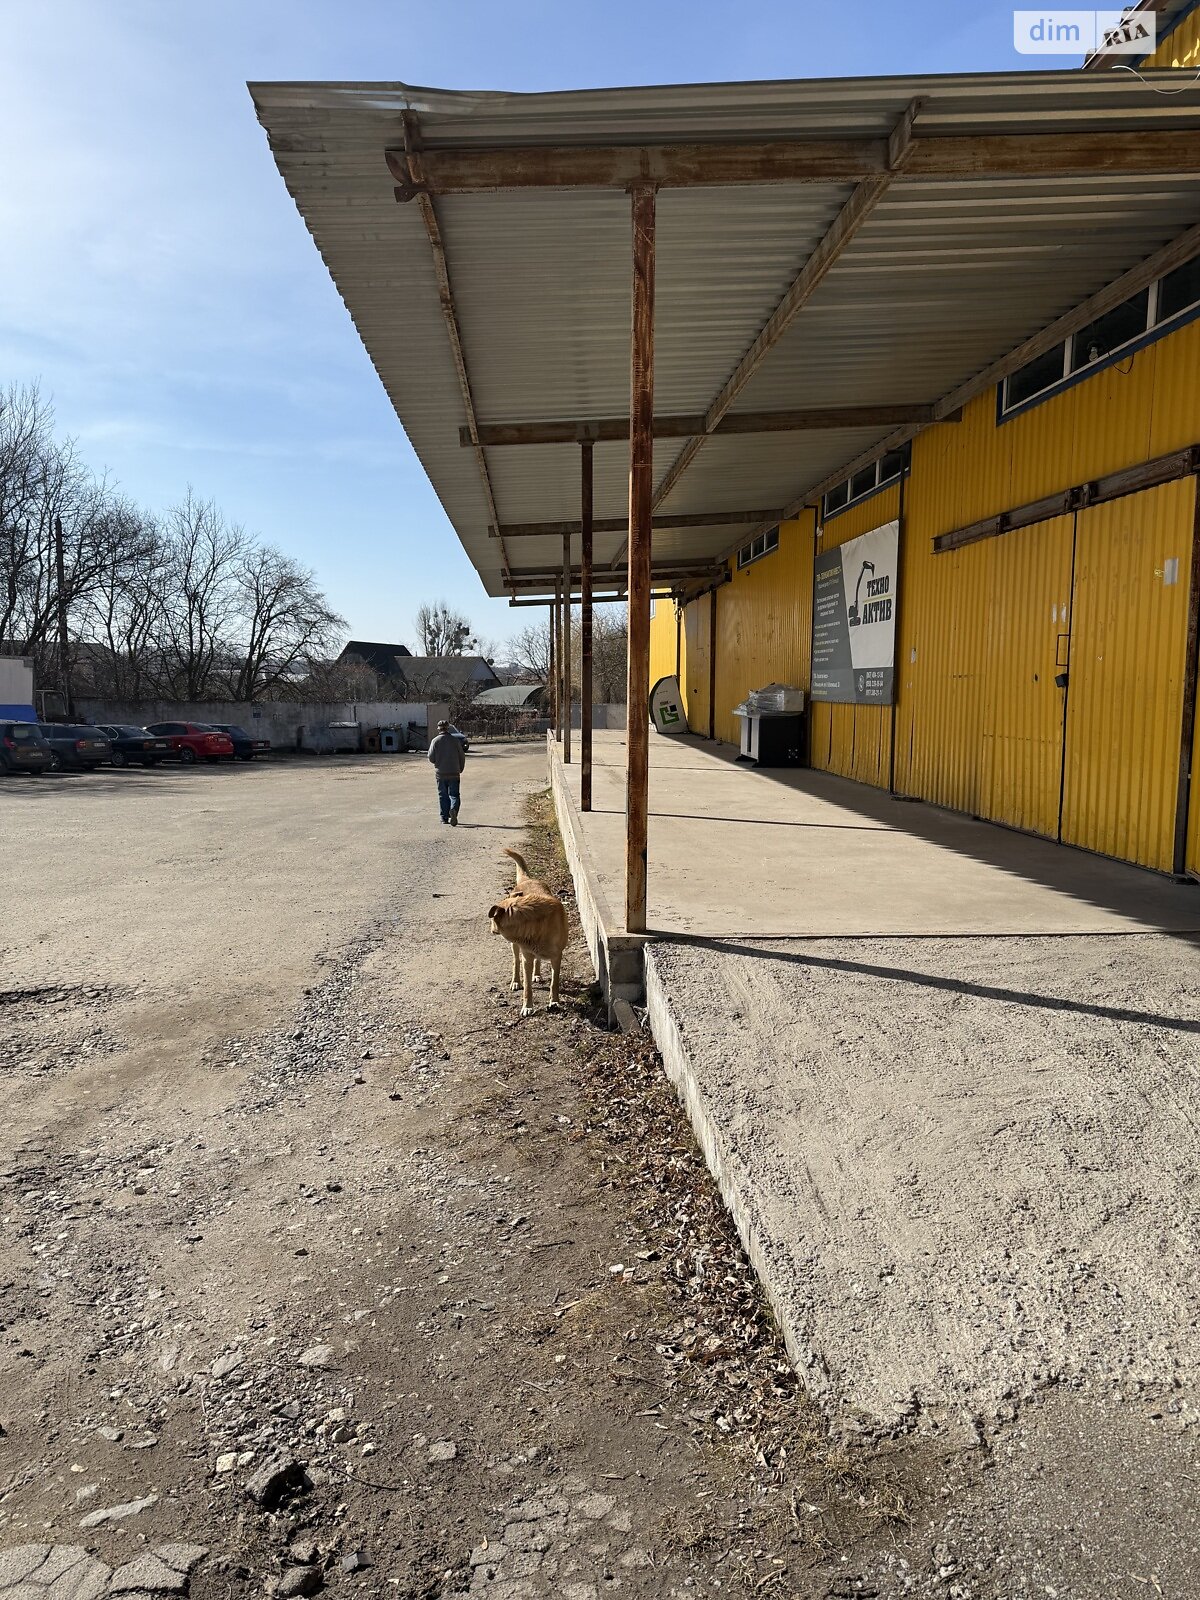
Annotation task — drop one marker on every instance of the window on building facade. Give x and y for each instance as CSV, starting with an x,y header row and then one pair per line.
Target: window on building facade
x,y
1179,291
866,482
1115,328
757,548
1119,332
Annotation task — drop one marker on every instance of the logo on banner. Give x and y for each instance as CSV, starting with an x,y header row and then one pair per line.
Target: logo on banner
x,y
876,605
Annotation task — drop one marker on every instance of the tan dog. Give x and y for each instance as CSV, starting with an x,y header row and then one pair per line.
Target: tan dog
x,y
525,885
534,921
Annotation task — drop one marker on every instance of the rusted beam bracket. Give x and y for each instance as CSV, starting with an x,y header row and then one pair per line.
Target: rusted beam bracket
x,y
605,430
525,577
1109,151
693,519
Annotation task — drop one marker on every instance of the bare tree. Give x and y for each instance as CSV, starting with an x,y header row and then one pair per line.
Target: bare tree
x,y
529,650
442,632
324,682
93,588
26,438
286,619
122,617
53,540
206,555
610,646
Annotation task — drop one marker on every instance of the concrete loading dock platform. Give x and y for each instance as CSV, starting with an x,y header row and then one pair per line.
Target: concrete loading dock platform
x,y
946,1075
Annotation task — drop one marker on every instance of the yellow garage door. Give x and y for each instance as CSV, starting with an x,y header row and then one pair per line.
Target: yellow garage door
x,y
1028,623
1125,697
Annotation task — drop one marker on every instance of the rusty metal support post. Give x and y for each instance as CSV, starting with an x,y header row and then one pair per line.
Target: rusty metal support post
x,y
585,628
552,670
679,644
712,663
566,647
641,497
559,660
1184,798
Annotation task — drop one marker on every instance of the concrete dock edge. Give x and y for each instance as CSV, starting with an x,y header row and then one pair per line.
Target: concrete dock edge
x,y
616,957
776,1270
625,966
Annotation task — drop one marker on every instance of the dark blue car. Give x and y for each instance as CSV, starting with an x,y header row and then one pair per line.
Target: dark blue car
x,y
245,748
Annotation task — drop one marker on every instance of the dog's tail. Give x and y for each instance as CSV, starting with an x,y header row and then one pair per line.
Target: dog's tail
x,y
519,859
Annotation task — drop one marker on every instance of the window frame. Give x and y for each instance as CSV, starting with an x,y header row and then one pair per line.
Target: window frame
x,y
758,548
1157,327
903,452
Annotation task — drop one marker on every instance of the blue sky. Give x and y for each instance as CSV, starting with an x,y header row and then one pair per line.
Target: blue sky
x,y
158,281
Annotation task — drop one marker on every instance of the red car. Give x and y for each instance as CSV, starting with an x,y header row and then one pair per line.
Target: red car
x,y
192,742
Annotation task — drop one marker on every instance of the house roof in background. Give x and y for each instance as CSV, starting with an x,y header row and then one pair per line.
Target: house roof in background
x,y
381,658
447,674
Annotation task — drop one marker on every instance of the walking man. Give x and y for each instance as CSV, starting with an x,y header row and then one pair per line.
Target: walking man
x,y
448,759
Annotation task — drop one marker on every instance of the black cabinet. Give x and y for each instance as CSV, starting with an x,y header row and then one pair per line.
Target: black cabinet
x,y
775,739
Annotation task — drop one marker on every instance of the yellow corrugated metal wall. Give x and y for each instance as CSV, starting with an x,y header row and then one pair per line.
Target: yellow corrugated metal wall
x,y
976,624
764,623
979,721
1125,701
695,655
1180,48
855,741
940,660
1026,646
662,641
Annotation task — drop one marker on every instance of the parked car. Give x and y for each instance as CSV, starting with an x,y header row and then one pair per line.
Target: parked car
x,y
134,744
23,749
455,734
245,746
194,741
75,745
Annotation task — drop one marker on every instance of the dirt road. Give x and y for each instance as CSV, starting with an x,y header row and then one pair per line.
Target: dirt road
x,y
318,1260
320,1269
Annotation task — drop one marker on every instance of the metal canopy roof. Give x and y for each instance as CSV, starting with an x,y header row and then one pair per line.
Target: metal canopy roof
x,y
964,256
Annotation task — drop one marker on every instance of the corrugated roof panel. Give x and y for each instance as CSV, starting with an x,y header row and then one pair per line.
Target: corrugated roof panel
x,y
943,278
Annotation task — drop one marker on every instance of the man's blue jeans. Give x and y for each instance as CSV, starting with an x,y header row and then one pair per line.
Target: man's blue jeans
x,y
449,797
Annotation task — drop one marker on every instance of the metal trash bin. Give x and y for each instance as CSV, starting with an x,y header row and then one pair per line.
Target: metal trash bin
x,y
344,737
391,740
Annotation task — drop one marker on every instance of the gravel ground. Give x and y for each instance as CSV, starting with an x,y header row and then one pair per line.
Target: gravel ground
x,y
970,1169
316,1259
322,1270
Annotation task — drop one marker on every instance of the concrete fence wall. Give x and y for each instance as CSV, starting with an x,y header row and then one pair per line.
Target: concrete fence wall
x,y
289,725
612,715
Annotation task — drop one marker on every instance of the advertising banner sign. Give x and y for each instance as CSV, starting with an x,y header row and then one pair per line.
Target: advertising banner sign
x,y
854,619
666,707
